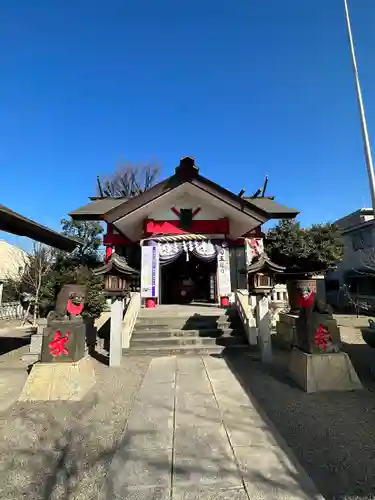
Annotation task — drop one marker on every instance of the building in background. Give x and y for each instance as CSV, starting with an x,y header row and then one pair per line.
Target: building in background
x,y
355,275
12,262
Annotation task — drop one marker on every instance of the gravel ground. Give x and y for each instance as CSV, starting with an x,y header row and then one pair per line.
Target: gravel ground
x,y
61,450
332,434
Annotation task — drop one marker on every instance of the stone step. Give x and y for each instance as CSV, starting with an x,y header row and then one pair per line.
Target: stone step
x,y
184,341
176,332
192,350
185,312
176,324
165,319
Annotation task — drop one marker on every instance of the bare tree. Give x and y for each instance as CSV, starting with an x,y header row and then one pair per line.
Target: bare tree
x,y
354,301
367,259
130,179
38,264
367,269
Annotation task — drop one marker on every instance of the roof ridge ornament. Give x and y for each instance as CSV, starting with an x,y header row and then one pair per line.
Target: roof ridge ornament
x,y
187,168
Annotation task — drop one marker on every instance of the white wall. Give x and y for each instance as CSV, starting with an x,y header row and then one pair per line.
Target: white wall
x,y
12,259
185,200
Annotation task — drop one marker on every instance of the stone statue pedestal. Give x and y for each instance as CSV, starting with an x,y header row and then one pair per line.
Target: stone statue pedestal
x,y
59,381
323,372
286,330
65,372
64,341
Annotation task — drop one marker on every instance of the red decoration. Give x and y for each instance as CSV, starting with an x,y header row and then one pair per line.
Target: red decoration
x,y
108,253
150,303
322,337
74,308
224,301
306,300
219,226
57,344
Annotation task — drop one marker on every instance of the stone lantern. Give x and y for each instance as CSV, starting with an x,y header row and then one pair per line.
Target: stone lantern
x,y
260,275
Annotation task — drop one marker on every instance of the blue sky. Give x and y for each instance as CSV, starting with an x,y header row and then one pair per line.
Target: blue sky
x,y
247,87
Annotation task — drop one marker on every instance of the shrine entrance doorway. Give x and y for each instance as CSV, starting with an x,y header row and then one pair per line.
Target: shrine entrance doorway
x,y
189,279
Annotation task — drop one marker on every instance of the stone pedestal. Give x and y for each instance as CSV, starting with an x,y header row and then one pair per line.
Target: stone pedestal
x,y
35,349
64,341
323,372
286,330
59,381
263,324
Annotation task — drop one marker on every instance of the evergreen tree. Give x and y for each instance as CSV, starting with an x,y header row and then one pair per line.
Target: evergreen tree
x,y
78,267
307,251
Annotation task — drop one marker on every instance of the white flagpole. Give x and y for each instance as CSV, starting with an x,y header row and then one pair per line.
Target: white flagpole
x,y
366,140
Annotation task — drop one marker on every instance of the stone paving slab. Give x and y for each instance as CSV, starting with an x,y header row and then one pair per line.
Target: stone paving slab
x,y
208,493
194,434
268,473
146,493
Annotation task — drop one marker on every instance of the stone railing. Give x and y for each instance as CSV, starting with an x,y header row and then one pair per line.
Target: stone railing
x,y
11,310
245,313
130,317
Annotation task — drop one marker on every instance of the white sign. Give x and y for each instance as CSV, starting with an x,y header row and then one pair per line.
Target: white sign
x,y
150,272
223,272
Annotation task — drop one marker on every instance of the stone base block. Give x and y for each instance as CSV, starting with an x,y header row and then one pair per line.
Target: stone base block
x,y
286,331
289,319
323,372
59,381
35,349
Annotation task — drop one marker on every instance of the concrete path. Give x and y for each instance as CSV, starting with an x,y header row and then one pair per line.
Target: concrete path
x,y
193,433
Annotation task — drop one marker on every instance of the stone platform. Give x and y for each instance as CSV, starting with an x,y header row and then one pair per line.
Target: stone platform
x,y
323,372
286,330
59,381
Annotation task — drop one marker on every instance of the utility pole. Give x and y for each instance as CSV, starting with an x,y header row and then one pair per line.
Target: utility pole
x,y
365,136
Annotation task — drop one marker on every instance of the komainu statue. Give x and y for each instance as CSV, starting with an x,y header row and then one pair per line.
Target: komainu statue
x,y
69,304
64,338
316,329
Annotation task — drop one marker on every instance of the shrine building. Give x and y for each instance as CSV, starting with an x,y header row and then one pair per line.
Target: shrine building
x,y
190,239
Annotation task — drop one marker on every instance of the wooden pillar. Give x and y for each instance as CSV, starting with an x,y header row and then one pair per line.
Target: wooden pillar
x,y
263,324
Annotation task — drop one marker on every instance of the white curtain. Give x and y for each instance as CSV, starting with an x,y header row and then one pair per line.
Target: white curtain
x,y
170,251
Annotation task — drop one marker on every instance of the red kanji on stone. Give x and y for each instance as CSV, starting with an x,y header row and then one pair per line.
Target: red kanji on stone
x,y
322,337
57,344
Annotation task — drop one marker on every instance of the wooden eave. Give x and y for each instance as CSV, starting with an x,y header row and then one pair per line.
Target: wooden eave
x,y
264,263
116,264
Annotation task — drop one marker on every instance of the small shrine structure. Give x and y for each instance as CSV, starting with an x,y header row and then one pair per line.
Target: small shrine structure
x,y
190,238
119,278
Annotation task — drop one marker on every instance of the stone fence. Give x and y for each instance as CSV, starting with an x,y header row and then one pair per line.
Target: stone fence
x,y
11,310
247,317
